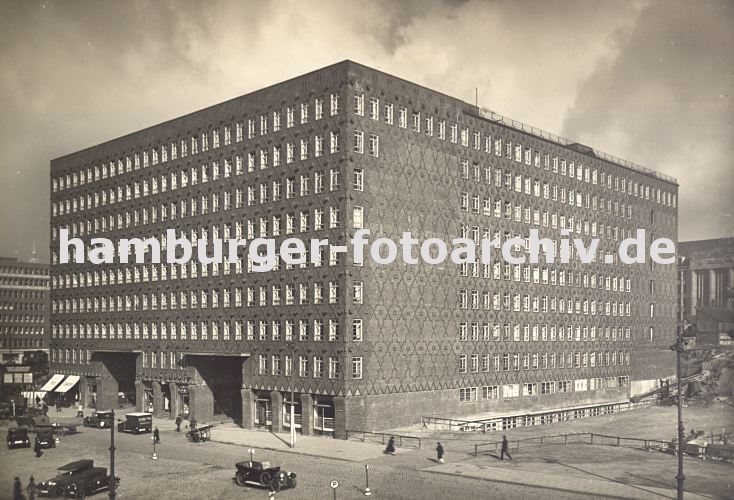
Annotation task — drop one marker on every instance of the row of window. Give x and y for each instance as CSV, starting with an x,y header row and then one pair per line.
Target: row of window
x,y
265,295
21,318
162,153
507,332
504,148
541,189
469,394
540,361
548,276
23,294
316,330
319,365
497,301
15,271
21,343
179,181
534,216
24,282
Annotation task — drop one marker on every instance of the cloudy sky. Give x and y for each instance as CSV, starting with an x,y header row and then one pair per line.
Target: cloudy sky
x,y
649,81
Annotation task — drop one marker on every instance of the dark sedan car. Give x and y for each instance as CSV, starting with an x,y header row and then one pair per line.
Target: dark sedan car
x,y
18,438
100,419
262,474
76,480
45,438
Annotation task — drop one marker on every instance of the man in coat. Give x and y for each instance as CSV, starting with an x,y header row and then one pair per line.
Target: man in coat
x,y
178,423
439,453
505,449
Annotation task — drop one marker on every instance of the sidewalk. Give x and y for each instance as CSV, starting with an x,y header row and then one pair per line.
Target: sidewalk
x,y
339,449
591,487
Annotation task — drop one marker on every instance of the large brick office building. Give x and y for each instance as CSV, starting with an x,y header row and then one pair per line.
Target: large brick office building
x,y
374,346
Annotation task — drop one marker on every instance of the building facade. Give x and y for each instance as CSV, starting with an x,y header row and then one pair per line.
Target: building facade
x,y
362,347
24,308
706,288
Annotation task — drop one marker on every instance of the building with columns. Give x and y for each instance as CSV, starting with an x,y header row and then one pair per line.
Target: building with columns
x,y
363,347
706,284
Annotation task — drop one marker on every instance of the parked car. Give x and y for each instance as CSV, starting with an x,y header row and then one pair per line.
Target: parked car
x,y
76,480
262,474
18,438
136,423
99,419
45,437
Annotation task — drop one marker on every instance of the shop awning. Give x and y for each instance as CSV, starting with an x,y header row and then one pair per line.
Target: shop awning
x,y
67,384
52,383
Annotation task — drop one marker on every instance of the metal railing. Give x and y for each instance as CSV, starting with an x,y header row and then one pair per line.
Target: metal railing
x,y
576,438
371,436
496,117
528,419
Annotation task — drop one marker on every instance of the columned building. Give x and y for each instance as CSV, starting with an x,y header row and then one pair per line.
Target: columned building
x,y
706,286
371,346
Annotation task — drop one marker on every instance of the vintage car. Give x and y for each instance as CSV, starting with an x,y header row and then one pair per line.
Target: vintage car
x,y
100,419
18,438
262,474
76,480
136,423
45,437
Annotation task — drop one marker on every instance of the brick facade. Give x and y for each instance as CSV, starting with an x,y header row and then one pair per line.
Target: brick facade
x,y
227,334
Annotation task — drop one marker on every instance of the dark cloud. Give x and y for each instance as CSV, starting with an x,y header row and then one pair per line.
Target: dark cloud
x,y
664,99
73,74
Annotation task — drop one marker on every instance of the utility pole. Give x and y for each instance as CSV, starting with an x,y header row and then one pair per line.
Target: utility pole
x,y
113,481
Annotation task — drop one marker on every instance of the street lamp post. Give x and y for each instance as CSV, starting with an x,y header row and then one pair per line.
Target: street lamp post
x,y
678,348
113,481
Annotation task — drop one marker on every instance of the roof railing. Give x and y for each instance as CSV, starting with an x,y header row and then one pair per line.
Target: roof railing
x,y
524,127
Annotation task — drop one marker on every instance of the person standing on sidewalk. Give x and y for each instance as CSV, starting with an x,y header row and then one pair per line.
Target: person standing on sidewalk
x,y
156,436
18,490
31,488
178,423
390,446
439,453
505,449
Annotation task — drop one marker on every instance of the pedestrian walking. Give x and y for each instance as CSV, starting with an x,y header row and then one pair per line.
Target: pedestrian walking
x,y
505,449
18,490
390,446
37,448
439,453
178,423
156,436
31,489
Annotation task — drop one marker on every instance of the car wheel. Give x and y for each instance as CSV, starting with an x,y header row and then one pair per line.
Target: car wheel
x,y
265,478
57,491
240,479
291,482
275,485
79,494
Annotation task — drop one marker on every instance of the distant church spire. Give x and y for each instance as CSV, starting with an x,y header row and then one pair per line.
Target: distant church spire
x,y
34,258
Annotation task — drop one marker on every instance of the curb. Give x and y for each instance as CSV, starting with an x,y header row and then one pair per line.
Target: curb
x,y
342,459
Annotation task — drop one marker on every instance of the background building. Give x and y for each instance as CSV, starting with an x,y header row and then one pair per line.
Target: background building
x,y
706,288
364,347
24,322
